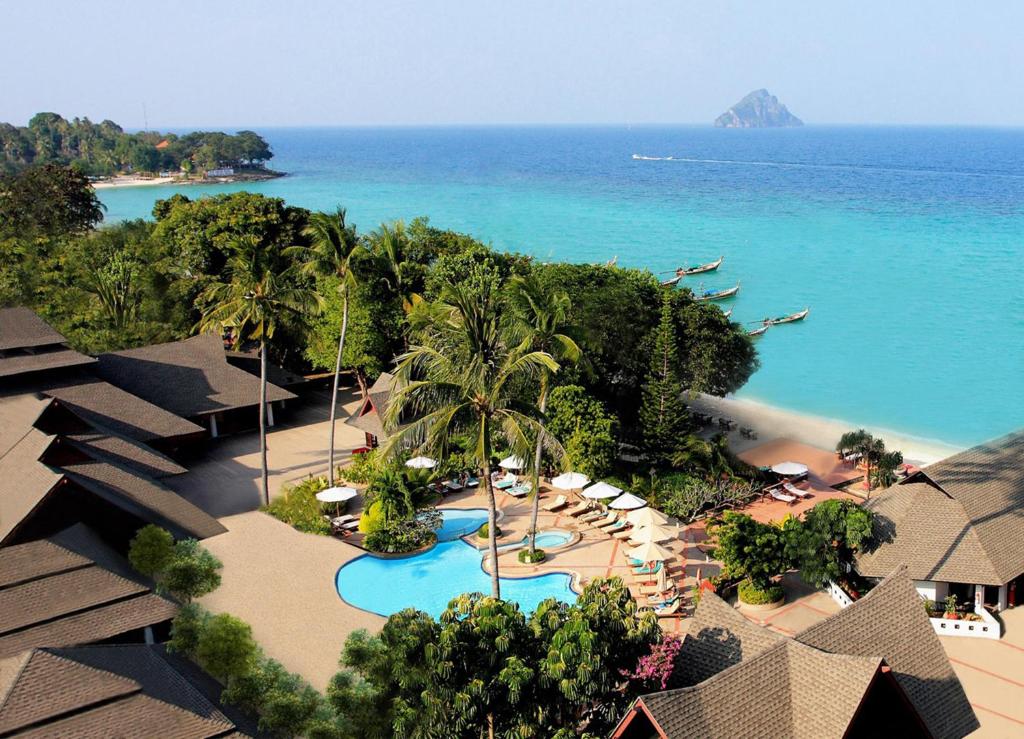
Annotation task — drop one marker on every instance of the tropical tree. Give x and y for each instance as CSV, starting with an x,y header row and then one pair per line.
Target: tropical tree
x,y
868,446
540,321
249,305
831,533
333,244
749,548
663,416
885,468
392,243
460,380
710,458
585,428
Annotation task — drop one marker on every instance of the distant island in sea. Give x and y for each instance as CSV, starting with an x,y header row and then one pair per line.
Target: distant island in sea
x,y
111,156
759,109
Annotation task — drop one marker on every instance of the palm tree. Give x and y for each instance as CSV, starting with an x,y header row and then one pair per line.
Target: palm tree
x,y
391,241
869,448
709,457
250,305
333,245
460,380
539,321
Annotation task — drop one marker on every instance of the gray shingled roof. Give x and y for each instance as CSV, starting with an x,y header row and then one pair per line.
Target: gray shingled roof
x,y
21,328
188,378
29,344
25,482
958,520
743,680
12,364
368,418
126,453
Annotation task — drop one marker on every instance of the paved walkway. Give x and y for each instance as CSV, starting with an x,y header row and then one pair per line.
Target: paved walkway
x,y
281,582
227,480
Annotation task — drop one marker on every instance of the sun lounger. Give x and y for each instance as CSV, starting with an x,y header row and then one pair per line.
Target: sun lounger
x,y
617,526
623,535
647,570
592,516
556,504
788,499
669,609
579,509
473,482
608,520
794,490
655,590
454,485
519,491
505,483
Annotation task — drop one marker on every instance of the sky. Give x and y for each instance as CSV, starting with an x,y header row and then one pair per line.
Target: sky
x,y
323,62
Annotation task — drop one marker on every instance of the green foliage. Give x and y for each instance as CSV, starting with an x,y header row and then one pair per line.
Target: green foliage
x,y
192,572
827,539
404,535
587,431
753,595
372,518
186,629
225,647
297,506
707,458
151,550
104,148
47,201
485,531
687,498
664,420
537,556
748,548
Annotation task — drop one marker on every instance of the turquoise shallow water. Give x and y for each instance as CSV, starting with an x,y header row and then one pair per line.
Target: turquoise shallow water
x,y
907,243
430,580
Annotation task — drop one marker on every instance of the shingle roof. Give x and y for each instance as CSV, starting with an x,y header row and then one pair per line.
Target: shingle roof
x,y
958,520
13,362
250,362
368,417
116,690
189,378
126,453
890,622
21,328
24,481
742,680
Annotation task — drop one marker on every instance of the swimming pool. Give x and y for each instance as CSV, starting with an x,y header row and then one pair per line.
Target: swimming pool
x,y
547,539
458,522
428,581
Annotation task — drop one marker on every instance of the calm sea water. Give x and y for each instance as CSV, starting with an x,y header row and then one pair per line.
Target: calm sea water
x,y
906,243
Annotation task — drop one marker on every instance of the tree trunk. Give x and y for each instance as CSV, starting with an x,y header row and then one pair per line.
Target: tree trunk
x,y
490,726
263,421
535,509
334,391
492,533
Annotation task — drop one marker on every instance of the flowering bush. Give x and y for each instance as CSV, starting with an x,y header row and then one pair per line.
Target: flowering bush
x,y
655,671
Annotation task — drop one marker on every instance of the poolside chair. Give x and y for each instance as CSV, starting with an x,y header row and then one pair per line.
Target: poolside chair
x,y
592,516
669,609
454,485
608,520
623,535
506,482
579,509
556,504
644,570
794,490
473,482
783,497
519,491
618,526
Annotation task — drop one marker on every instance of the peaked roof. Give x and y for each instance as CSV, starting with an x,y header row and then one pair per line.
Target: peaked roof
x,y
958,520
743,680
116,690
29,344
189,378
368,418
71,589
21,328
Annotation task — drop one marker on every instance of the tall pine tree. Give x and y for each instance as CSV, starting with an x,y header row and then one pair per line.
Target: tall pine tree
x,y
663,416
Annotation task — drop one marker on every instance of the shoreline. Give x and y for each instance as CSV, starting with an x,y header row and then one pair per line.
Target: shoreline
x,y
771,422
134,181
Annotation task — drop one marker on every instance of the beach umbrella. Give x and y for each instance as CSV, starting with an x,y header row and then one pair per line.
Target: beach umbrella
x,y
511,463
789,469
570,481
654,532
646,517
421,463
650,552
336,495
600,490
627,502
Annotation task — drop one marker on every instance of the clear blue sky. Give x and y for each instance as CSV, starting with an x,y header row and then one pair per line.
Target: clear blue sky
x,y
317,62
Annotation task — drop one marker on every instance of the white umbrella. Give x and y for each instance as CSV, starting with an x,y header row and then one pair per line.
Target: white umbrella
x,y
650,552
570,481
789,469
646,517
601,490
654,532
336,495
421,463
511,463
627,502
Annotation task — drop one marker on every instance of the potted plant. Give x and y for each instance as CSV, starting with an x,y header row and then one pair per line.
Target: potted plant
x,y
950,613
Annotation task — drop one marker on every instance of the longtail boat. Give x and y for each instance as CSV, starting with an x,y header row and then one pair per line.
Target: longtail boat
x,y
759,331
709,267
727,314
672,281
719,294
798,316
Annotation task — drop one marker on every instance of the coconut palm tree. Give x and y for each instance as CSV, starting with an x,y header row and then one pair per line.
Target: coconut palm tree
x,y
333,245
391,242
869,448
710,458
459,380
249,306
539,320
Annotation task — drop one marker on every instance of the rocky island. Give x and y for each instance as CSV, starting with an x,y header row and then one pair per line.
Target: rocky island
x,y
759,109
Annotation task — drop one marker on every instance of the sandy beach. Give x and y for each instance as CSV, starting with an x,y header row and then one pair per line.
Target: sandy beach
x,y
132,182
772,423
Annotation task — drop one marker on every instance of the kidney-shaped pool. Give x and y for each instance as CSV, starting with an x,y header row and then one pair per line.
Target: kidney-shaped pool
x,y
428,581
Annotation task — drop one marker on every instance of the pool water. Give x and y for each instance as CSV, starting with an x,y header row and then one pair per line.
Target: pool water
x,y
458,522
428,581
545,540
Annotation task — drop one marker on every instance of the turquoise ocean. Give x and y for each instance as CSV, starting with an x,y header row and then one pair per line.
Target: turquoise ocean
x,y
906,243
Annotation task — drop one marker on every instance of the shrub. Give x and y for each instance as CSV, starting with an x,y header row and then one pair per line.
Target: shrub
x,y
192,572
297,506
151,551
404,536
372,518
362,469
225,647
483,532
752,595
539,555
185,629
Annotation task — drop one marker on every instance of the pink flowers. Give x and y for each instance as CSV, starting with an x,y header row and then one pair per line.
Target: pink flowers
x,y
655,670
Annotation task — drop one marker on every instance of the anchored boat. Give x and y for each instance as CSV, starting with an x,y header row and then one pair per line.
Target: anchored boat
x,y
792,317
719,294
759,331
709,267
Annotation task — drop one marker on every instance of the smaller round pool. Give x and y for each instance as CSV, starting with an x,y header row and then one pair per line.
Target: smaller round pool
x,y
458,522
548,539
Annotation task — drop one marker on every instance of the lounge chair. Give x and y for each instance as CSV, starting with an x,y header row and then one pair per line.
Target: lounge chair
x,y
794,490
454,485
623,535
556,504
669,609
644,570
617,526
519,491
506,482
579,509
608,520
783,497
592,516
473,482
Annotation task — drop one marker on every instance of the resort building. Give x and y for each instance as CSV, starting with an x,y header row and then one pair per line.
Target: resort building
x,y
873,669
957,526
368,418
193,379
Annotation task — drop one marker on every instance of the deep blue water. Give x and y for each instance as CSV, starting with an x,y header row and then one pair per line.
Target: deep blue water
x,y
907,243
